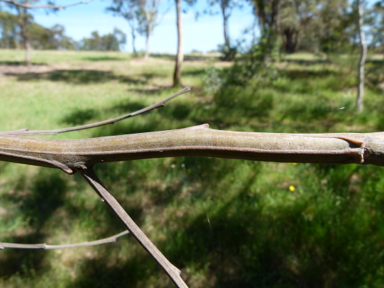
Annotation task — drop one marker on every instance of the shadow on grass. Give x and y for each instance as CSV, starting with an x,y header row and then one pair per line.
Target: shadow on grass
x,y
81,77
37,206
187,57
308,62
98,273
104,58
296,74
194,72
20,63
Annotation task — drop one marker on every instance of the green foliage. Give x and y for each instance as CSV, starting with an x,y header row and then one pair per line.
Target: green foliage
x,y
9,30
40,37
225,223
109,42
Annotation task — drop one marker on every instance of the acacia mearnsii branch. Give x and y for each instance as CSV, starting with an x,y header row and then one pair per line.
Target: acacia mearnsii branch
x,y
81,155
70,155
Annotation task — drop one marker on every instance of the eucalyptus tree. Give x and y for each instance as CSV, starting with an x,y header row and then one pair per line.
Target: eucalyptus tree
x,y
363,56
141,15
147,14
295,18
126,9
24,18
377,25
108,42
180,54
226,8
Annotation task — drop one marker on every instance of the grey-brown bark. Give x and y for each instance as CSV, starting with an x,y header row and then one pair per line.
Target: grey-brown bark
x,y
224,7
363,56
174,273
70,155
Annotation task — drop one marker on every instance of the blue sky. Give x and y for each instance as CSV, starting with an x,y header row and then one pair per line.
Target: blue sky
x,y
202,35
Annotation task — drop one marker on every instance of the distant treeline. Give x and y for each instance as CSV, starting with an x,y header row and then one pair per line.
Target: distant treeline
x,y
54,38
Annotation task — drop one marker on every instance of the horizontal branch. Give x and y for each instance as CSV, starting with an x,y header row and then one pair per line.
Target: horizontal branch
x,y
71,155
111,239
47,6
26,132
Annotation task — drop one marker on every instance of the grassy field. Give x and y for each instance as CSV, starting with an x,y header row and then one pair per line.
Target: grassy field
x,y
224,223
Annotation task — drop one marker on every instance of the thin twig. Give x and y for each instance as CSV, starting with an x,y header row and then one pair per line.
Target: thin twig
x,y
21,132
89,174
47,6
66,246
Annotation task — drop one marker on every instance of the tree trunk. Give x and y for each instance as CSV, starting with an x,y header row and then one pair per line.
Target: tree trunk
x,y
290,39
23,22
148,33
131,23
180,55
133,41
27,52
225,22
363,56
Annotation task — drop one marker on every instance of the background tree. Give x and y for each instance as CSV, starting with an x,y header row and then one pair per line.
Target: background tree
x,y
126,9
10,36
179,54
42,38
268,15
336,27
109,42
363,56
39,37
142,16
226,8
376,23
147,13
24,18
295,17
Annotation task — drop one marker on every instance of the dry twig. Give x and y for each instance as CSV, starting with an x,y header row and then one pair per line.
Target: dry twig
x,y
25,131
66,246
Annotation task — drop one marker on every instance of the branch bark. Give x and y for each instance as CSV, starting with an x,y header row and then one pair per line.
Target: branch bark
x,y
70,155
174,273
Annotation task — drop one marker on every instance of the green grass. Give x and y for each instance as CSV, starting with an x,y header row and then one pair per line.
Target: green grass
x,y
224,223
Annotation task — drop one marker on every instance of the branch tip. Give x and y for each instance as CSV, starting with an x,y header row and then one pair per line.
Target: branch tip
x,y
26,131
65,246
